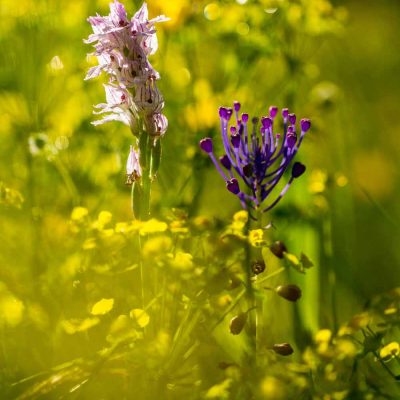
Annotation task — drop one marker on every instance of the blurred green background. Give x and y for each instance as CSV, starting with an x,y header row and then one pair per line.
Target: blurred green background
x,y
336,63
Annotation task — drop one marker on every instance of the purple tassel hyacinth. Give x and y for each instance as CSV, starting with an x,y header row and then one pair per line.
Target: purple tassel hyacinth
x,y
256,155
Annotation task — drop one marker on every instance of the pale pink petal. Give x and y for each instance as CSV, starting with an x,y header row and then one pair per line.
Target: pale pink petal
x,y
93,72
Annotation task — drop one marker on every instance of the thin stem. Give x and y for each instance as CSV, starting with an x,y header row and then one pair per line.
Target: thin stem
x,y
252,331
69,183
145,146
141,267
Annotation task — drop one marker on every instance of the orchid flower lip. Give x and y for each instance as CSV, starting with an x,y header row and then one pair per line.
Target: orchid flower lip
x,y
133,168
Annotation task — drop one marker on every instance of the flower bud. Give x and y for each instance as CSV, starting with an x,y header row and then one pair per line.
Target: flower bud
x,y
156,124
206,145
292,118
233,186
224,160
285,113
305,124
298,169
273,110
289,292
283,349
235,139
291,140
258,267
266,122
223,113
245,118
248,170
278,248
237,323
236,106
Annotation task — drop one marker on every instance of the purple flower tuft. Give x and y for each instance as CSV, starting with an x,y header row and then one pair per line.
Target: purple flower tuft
x,y
236,106
259,157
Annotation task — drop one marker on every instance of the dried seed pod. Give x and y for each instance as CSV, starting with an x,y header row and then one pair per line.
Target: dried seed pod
x,y
258,267
289,292
237,323
283,349
278,248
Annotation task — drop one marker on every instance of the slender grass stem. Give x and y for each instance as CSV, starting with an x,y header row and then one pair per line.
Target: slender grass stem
x,y
66,177
141,268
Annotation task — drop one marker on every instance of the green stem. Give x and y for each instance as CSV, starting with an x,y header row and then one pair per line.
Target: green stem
x,y
141,267
146,190
143,198
252,328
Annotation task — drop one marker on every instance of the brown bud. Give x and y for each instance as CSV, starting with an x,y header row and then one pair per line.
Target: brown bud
x,y
283,349
278,248
237,323
225,365
258,267
289,292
